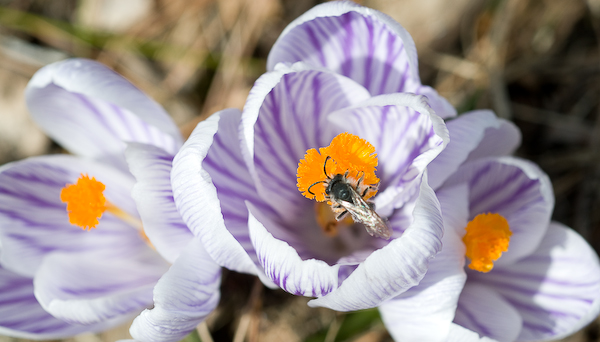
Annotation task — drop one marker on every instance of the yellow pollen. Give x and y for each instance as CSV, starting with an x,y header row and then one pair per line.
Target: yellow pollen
x,y
85,201
348,152
488,235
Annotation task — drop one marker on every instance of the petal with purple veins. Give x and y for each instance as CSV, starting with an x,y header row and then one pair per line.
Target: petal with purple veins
x,y
154,198
360,43
483,310
555,289
406,135
514,188
36,183
285,115
22,316
92,287
198,199
283,265
90,110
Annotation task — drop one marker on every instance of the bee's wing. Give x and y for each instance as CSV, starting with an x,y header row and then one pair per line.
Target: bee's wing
x,y
362,212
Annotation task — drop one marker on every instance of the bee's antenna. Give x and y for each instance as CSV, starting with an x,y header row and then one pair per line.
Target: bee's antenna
x,y
325,168
313,184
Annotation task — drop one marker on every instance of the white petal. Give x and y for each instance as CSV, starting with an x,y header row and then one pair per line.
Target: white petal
x,y
198,202
411,315
500,141
466,134
153,195
183,297
460,334
281,263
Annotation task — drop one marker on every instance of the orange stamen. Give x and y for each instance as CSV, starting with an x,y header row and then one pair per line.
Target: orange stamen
x,y
488,235
85,201
348,152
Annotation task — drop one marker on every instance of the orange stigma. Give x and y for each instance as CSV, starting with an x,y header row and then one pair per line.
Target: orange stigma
x,y
348,153
85,201
488,235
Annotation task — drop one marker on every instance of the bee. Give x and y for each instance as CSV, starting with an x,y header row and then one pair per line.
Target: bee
x,y
346,197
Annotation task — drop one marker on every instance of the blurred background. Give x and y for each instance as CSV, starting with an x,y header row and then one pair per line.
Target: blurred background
x,y
535,62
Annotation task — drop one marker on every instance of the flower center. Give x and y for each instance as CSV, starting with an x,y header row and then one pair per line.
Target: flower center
x,y
343,174
326,220
86,204
346,153
488,235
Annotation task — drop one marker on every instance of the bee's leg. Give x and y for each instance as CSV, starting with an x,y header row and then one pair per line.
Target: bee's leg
x,y
342,215
365,192
336,206
360,180
371,205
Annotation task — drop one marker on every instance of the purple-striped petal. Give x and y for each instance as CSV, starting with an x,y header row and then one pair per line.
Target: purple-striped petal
x,y
183,297
22,316
229,174
153,195
199,201
556,289
483,310
285,115
360,43
283,265
34,185
514,188
92,287
471,135
395,268
411,315
406,134
90,110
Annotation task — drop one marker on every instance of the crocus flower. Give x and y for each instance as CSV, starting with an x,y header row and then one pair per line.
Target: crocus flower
x,y
525,278
65,279
235,180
